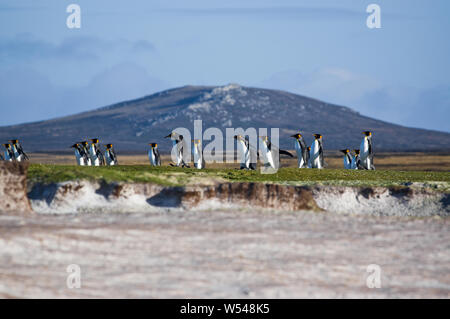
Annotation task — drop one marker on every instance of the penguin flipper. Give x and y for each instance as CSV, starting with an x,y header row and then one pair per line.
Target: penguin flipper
x,y
285,153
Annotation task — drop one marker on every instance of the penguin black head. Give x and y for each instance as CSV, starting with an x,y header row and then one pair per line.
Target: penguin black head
x,y
84,143
297,136
367,133
170,135
356,152
196,141
74,145
345,151
108,146
7,145
153,145
317,136
264,138
14,142
94,140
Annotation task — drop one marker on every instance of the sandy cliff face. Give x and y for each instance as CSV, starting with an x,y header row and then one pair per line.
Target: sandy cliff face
x,y
13,188
84,196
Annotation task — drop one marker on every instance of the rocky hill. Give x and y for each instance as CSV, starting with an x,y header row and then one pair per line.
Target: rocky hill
x,y
130,125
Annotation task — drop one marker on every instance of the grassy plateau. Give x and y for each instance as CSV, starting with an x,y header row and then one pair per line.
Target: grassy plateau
x,y
174,176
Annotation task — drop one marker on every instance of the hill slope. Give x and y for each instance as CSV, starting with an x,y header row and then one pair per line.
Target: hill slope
x,y
132,124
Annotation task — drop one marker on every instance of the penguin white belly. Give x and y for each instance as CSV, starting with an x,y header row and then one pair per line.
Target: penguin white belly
x,y
179,153
245,155
198,162
267,156
7,157
78,157
152,158
353,163
315,156
298,150
364,155
19,157
108,159
347,163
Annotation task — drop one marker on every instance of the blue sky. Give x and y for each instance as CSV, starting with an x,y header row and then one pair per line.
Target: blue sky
x,y
318,48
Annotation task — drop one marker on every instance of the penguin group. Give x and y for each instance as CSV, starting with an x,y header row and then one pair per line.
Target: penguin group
x,y
361,158
91,155
312,157
309,156
13,152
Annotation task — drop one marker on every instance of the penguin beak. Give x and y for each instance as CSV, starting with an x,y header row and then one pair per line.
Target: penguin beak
x,y
170,135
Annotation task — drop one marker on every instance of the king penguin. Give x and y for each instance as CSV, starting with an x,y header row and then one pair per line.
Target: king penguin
x,y
356,161
316,153
347,159
178,145
153,155
248,155
80,154
367,151
197,151
301,150
96,155
110,155
267,150
85,148
9,154
19,154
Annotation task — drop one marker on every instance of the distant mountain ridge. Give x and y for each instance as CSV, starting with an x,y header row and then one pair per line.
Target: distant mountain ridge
x,y
131,125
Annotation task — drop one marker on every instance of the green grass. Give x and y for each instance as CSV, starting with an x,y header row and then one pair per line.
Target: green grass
x,y
174,176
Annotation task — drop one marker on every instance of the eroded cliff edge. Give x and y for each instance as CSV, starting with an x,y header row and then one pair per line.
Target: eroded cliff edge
x,y
13,188
85,196
18,196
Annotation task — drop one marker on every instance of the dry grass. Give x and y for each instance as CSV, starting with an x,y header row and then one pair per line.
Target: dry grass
x,y
383,161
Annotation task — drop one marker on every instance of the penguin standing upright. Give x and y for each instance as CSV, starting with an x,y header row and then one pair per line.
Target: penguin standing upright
x,y
110,155
316,153
80,154
153,155
178,146
267,150
96,154
367,151
19,154
356,161
301,150
9,154
85,148
248,155
347,159
197,151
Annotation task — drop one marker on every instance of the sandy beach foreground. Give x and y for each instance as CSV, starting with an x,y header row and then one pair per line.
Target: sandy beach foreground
x,y
224,254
